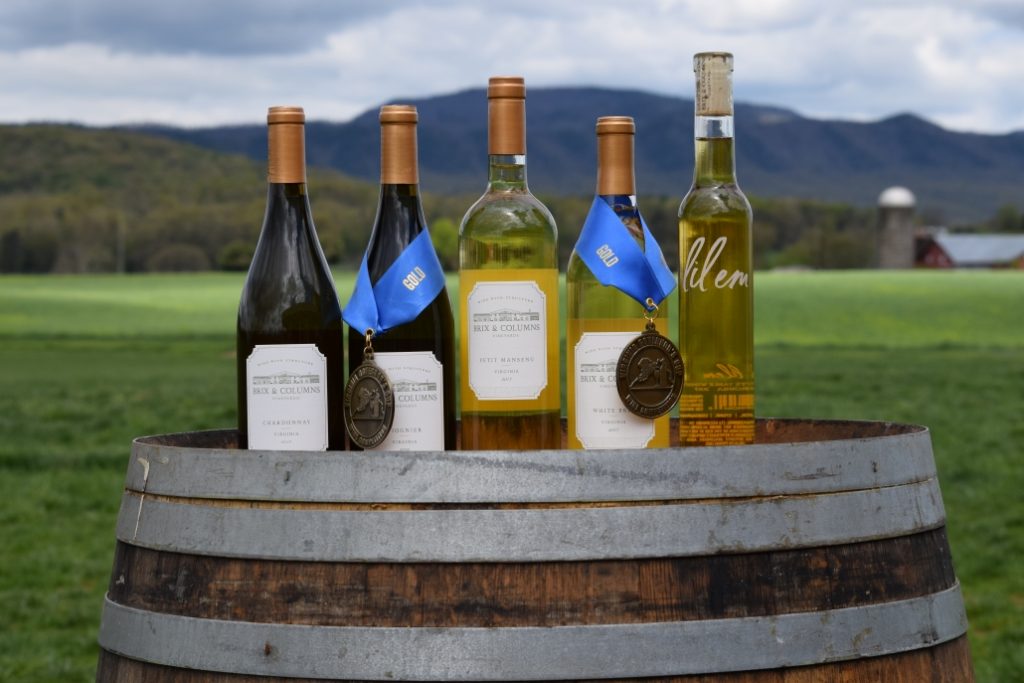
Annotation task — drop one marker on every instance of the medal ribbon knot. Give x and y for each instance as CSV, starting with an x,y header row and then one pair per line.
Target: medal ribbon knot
x,y
616,260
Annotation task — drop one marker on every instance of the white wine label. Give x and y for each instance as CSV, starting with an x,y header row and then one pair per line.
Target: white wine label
x,y
507,327
602,421
287,397
418,382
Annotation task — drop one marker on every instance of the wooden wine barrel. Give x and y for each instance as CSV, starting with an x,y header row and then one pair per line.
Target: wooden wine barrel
x,y
819,553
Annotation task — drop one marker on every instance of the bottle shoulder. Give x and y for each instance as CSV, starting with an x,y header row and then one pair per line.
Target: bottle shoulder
x,y
576,269
502,211
714,200
289,285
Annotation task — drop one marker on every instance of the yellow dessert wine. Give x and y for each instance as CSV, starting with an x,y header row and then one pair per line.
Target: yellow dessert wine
x,y
716,286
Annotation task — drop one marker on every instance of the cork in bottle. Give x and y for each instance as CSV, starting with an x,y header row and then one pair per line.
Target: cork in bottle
x,y
714,83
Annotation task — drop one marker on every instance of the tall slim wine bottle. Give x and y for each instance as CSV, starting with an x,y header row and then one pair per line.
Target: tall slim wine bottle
x,y
602,320
418,356
716,287
289,350
508,288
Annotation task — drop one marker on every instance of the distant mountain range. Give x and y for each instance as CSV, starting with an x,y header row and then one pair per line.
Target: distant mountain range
x,y
955,176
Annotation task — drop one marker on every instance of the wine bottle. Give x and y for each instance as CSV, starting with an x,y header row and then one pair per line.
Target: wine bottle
x,y
602,319
716,287
289,349
508,289
418,356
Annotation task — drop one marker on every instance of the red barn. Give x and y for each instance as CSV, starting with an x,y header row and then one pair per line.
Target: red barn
x,y
970,250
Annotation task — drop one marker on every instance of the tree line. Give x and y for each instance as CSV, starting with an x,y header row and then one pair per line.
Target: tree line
x,y
78,200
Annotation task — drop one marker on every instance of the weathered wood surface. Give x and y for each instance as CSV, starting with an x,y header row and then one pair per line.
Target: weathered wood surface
x,y
533,594
770,583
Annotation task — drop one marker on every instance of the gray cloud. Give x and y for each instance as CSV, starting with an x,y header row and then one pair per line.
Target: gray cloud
x,y
217,27
1010,12
222,61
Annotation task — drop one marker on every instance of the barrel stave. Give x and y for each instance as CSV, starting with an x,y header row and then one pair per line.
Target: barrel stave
x,y
814,562
533,594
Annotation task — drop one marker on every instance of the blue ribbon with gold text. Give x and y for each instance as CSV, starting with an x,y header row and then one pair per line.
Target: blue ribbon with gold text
x,y
616,260
406,288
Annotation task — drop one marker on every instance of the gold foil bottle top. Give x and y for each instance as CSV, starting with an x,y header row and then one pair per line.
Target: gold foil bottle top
x,y
506,115
714,83
286,145
398,164
506,87
615,136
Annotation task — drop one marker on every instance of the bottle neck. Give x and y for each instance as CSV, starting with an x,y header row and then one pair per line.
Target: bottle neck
x,y
286,154
506,144
404,197
625,207
287,196
288,215
615,174
506,173
398,222
398,162
714,151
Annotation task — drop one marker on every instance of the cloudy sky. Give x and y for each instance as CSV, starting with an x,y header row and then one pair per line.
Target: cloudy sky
x,y
959,63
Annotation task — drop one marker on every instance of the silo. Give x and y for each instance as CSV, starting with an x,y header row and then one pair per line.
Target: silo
x,y
896,228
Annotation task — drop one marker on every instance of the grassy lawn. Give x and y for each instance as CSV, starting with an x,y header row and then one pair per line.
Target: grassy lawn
x,y
87,363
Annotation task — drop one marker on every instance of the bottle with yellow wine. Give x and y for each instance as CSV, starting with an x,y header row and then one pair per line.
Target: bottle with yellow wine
x,y
508,290
716,287
604,318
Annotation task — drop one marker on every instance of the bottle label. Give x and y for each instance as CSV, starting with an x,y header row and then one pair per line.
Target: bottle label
x,y
286,387
507,329
418,382
698,275
602,421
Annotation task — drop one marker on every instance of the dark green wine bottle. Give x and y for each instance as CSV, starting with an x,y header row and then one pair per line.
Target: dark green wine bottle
x,y
290,358
418,356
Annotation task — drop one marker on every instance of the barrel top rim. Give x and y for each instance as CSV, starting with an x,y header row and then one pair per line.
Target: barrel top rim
x,y
870,455
887,429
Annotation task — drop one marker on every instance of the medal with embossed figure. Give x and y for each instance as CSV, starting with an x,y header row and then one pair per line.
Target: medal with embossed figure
x,y
649,374
616,265
369,401
401,339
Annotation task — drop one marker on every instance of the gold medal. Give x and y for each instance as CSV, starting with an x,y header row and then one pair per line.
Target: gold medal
x,y
649,374
369,402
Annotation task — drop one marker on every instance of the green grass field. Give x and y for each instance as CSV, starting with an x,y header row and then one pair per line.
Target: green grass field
x,y
87,363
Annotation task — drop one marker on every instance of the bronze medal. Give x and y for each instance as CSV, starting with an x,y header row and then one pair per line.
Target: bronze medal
x,y
649,374
369,402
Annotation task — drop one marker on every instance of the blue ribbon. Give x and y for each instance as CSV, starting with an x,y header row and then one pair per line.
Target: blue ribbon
x,y
406,287
616,260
